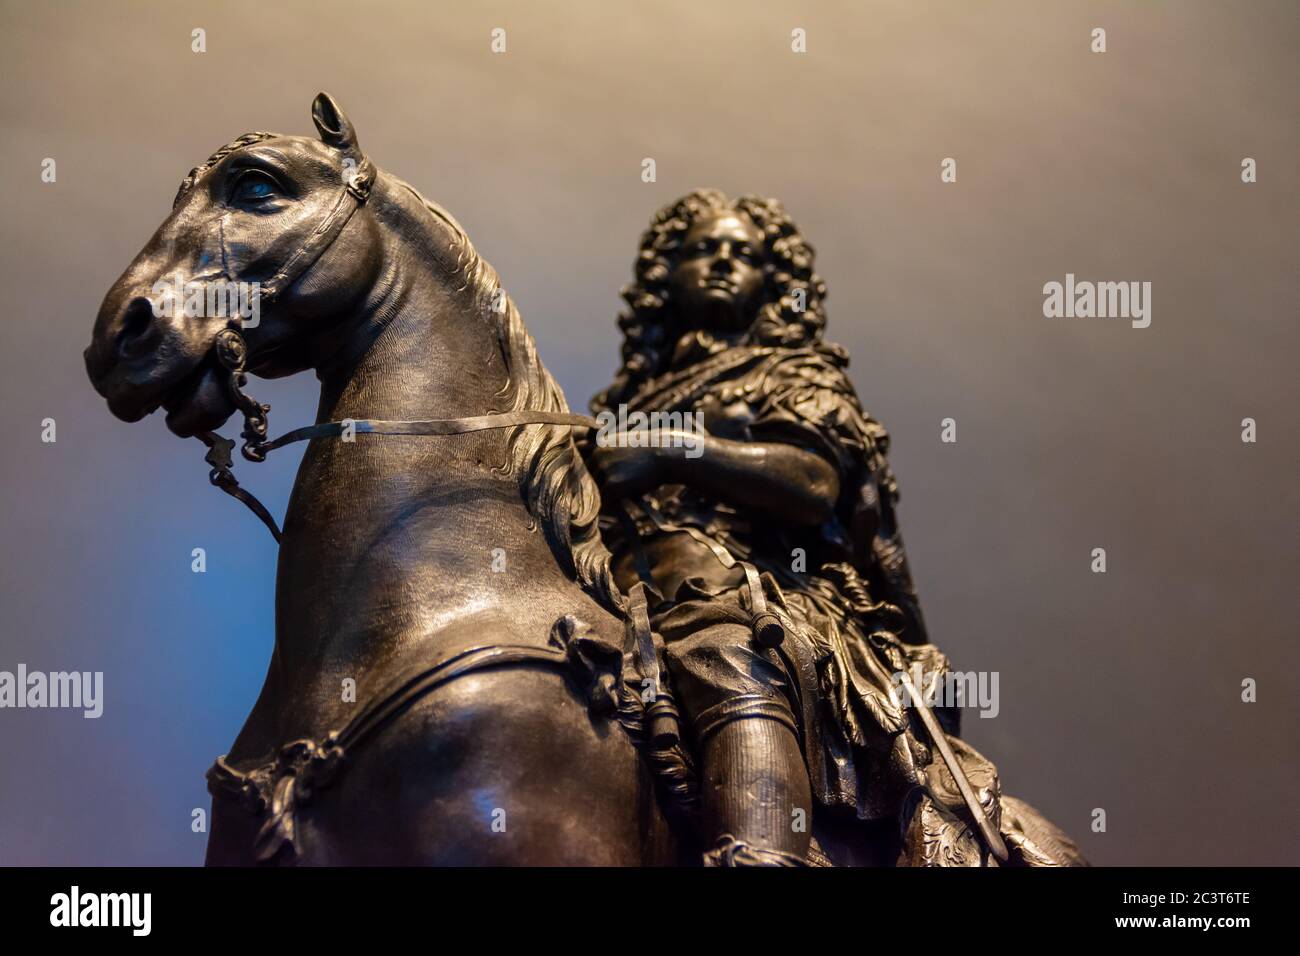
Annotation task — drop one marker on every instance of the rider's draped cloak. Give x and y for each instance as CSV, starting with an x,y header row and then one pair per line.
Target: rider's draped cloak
x,y
853,619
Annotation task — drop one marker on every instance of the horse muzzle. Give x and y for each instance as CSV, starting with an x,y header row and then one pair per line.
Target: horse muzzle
x,y
139,361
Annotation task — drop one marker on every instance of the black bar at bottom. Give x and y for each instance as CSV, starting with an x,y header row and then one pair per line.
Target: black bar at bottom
x,y
612,908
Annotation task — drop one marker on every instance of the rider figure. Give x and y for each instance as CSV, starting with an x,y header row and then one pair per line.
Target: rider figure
x,y
725,319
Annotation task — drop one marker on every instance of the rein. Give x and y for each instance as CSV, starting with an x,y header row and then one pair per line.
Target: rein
x,y
232,353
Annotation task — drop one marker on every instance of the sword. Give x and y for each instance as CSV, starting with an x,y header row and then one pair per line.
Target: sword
x,y
992,838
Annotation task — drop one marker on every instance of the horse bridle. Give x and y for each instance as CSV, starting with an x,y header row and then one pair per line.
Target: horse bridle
x,y
231,354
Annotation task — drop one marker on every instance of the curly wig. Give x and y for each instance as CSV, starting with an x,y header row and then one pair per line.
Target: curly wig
x,y
650,326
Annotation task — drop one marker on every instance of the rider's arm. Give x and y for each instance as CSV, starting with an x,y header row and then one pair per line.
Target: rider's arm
x,y
795,486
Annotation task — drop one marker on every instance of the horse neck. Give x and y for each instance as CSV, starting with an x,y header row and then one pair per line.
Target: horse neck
x,y
391,540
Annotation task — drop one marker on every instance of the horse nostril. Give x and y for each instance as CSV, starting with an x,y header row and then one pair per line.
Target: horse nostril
x,y
135,336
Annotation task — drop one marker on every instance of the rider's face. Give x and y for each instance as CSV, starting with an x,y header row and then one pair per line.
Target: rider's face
x,y
719,276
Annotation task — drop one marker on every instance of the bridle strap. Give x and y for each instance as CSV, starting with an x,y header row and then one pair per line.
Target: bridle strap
x,y
220,450
434,426
351,198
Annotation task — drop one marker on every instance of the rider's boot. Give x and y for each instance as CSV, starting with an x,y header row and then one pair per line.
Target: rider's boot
x,y
755,795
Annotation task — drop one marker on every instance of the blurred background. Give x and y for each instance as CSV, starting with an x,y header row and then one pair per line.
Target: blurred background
x,y
1119,691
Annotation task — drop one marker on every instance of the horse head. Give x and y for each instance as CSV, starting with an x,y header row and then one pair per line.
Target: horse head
x,y
288,253
255,242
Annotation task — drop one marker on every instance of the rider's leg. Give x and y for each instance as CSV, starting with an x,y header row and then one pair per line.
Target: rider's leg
x,y
754,783
755,794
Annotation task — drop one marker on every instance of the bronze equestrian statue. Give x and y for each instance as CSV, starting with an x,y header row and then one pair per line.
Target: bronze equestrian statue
x,y
460,676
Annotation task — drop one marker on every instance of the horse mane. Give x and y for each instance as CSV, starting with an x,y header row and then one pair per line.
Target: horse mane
x,y
554,482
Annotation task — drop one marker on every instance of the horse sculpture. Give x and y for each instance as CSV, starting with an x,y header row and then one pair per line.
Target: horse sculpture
x,y
479,746
452,571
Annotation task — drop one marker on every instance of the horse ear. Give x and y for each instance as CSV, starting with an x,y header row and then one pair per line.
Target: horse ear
x,y
333,124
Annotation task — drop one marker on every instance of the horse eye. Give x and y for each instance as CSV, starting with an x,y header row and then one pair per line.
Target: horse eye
x,y
253,186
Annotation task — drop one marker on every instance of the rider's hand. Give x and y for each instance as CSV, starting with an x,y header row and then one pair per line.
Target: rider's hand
x,y
627,472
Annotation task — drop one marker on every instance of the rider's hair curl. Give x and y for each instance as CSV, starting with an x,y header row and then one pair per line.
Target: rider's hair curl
x,y
650,326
